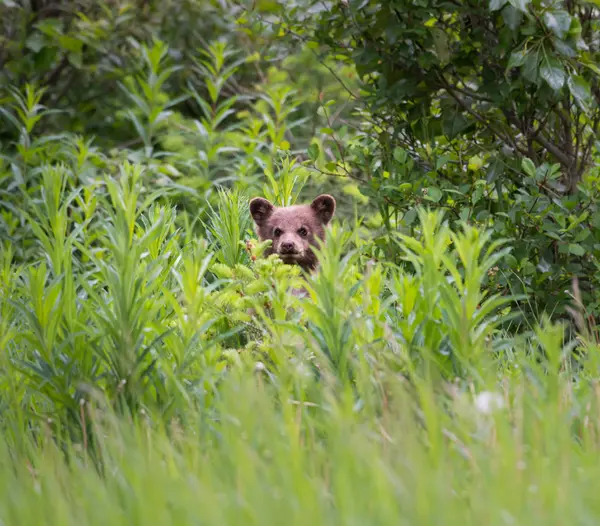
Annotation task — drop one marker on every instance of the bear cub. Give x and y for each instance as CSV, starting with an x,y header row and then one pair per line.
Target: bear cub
x,y
294,230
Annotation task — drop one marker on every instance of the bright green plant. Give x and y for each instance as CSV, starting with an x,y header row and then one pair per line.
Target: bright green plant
x,y
285,187
443,309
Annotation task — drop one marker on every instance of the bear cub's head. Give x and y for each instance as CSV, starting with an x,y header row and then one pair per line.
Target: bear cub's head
x,y
294,230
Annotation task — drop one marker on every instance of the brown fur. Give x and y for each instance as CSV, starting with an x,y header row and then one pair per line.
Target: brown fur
x,y
294,230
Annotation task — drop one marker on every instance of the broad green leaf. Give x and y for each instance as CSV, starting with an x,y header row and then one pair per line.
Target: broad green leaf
x,y
313,151
400,155
70,44
511,261
591,66
433,194
440,41
521,5
353,190
575,28
576,250
35,42
512,17
517,59
528,167
496,5
563,48
441,161
410,217
75,59
558,22
530,68
475,163
454,123
583,235
553,73
580,90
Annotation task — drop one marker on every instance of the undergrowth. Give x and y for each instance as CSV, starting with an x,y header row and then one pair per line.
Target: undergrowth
x,y
156,367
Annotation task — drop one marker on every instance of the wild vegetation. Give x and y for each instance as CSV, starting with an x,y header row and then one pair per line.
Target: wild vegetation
x,y
155,366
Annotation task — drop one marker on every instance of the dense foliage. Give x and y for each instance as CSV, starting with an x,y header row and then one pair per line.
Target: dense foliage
x,y
487,109
156,367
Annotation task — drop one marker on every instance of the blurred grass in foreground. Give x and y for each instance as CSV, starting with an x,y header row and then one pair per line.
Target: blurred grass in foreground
x,y
513,457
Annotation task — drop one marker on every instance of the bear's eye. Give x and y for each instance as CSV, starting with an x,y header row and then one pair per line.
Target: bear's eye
x,y
303,232
277,232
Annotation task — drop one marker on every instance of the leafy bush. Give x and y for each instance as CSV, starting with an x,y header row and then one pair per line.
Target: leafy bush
x,y
489,110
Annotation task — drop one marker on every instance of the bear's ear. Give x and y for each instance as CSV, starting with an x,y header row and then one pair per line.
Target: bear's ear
x,y
324,207
261,209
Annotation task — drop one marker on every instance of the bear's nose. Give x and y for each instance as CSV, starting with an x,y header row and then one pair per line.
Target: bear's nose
x,y
287,247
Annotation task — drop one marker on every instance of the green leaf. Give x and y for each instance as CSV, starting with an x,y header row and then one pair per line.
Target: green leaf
x,y
496,5
410,216
512,17
75,59
576,250
353,190
441,161
433,194
454,123
313,152
558,22
528,167
511,261
517,59
35,42
583,235
530,68
591,66
553,73
521,5
563,48
575,29
70,44
400,155
580,90
475,163
440,40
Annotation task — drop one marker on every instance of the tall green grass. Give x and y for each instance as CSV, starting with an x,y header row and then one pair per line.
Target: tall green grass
x,y
151,377
265,458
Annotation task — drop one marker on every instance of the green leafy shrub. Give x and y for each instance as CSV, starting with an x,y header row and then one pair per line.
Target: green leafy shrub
x,y
489,111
